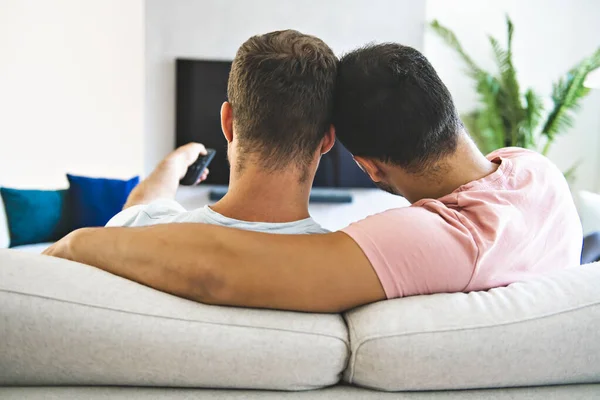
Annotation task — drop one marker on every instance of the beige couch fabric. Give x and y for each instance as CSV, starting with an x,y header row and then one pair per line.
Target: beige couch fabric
x,y
541,332
570,392
64,323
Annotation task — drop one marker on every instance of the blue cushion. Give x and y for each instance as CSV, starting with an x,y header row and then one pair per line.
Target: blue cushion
x,y
35,216
94,201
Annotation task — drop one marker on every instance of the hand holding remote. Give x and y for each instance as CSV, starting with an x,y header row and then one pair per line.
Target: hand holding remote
x,y
184,156
198,169
163,182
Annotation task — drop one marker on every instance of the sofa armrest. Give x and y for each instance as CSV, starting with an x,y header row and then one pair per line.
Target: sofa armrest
x,y
591,248
4,234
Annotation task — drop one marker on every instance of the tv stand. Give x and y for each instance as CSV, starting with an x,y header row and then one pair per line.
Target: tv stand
x,y
317,195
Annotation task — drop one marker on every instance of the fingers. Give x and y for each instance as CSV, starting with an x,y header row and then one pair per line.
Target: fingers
x,y
203,176
187,154
197,148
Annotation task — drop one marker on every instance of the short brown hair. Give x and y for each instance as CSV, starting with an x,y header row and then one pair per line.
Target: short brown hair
x,y
281,89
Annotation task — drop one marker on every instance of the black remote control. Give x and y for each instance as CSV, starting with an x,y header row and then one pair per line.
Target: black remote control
x,y
195,170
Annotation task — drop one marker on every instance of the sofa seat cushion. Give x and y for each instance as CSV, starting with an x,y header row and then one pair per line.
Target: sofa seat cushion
x,y
65,323
541,332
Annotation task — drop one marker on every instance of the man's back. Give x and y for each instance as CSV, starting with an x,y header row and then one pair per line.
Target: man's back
x,y
516,223
542,228
169,211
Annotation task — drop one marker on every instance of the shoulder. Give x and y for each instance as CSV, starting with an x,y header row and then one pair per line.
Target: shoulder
x,y
159,211
310,226
305,226
529,162
524,157
316,229
422,216
427,224
514,152
417,250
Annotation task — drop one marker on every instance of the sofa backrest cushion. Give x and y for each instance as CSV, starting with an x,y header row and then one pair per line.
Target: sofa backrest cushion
x,y
541,332
64,323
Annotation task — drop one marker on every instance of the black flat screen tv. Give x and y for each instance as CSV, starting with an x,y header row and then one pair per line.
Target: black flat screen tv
x,y
201,88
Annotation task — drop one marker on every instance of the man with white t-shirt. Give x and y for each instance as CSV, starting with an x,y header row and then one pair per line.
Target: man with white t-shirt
x,y
277,124
476,222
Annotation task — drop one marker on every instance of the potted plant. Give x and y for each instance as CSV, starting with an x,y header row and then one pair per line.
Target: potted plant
x,y
506,115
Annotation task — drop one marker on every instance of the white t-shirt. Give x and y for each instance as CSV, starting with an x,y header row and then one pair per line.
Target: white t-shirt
x,y
168,211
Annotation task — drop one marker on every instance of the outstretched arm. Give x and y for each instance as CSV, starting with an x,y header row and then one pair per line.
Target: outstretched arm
x,y
163,182
224,266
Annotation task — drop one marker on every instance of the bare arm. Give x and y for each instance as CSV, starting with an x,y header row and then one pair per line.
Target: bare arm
x,y
163,182
224,266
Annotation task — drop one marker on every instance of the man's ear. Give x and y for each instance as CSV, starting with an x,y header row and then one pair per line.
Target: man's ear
x,y
227,121
328,141
371,167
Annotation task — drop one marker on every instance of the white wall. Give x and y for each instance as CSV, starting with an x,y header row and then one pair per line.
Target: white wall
x,y
214,29
550,37
71,90
72,72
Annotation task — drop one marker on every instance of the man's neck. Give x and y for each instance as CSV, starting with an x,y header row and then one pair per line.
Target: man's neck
x,y
256,195
467,164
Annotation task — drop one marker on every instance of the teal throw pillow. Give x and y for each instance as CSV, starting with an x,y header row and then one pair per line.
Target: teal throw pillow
x,y
35,216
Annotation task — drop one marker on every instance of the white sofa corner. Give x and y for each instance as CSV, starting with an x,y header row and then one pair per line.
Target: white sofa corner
x,y
588,207
66,324
4,234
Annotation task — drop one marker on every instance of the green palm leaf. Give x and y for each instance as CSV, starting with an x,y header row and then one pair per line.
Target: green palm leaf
x,y
450,38
512,110
534,108
489,118
567,94
507,117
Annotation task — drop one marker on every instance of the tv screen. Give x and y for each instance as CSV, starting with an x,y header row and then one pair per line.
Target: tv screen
x,y
201,89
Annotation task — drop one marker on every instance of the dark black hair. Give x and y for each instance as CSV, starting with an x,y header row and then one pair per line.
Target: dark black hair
x,y
391,105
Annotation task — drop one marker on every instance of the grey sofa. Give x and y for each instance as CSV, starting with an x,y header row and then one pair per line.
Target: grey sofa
x,y
72,331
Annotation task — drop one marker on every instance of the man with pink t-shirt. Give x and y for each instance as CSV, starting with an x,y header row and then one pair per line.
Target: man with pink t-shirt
x,y
476,222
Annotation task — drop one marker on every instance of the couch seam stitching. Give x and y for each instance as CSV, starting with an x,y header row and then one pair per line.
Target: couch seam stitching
x,y
352,358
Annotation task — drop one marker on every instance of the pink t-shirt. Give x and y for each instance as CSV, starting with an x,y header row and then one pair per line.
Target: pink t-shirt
x,y
515,224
